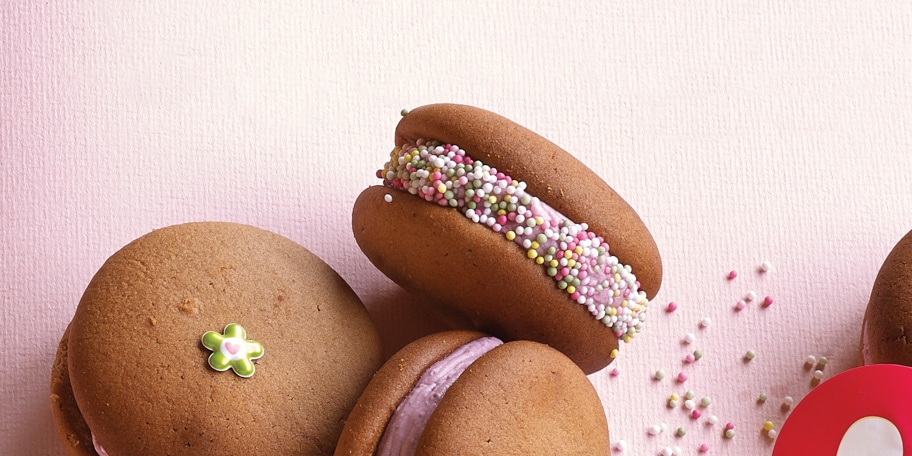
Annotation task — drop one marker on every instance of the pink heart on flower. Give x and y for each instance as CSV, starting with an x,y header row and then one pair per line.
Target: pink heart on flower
x,y
232,347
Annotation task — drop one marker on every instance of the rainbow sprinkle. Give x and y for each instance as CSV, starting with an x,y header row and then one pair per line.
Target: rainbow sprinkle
x,y
576,259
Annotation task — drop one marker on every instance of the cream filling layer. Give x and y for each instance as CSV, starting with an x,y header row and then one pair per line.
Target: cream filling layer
x,y
411,416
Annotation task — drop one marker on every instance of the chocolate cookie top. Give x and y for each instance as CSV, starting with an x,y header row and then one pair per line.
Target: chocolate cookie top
x,y
885,339
142,373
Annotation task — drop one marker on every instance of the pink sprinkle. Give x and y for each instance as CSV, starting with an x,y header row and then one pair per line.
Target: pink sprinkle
x,y
682,377
457,158
672,306
767,301
689,358
502,219
704,448
729,425
732,274
740,305
695,414
615,372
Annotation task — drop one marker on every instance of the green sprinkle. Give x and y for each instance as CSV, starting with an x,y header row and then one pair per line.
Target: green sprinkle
x,y
705,401
750,355
680,432
659,374
541,238
729,433
552,271
672,403
822,361
698,354
762,397
689,395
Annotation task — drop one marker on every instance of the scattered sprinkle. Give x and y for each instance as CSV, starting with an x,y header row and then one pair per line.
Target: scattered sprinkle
x,y
689,394
681,432
772,433
621,445
822,361
762,397
810,360
674,397
698,354
750,355
818,374
787,401
672,403
729,433
750,296
732,274
682,377
766,266
704,448
614,353
659,374
705,402
729,425
767,301
740,305
695,414
615,372
767,425
667,451
689,338
672,306
705,322
690,404
388,198
713,419
690,358
654,430
404,112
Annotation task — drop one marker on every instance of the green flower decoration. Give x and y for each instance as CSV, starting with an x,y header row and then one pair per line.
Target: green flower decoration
x,y
231,349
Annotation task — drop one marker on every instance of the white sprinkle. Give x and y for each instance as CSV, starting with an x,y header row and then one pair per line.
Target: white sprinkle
x,y
388,198
654,430
713,419
664,426
689,338
689,404
818,374
676,451
772,433
620,445
705,322
787,401
810,361
766,266
750,296
667,451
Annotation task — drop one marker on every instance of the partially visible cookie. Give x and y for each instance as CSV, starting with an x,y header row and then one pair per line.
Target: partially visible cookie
x,y
467,393
885,339
212,338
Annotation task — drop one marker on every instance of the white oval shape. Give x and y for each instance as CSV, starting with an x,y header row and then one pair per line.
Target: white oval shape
x,y
871,436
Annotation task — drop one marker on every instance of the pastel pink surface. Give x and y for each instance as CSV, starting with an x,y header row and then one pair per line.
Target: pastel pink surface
x,y
775,130
821,419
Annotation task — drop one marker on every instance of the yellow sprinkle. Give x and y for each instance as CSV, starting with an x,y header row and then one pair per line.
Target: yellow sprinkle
x,y
554,263
539,220
616,293
626,338
540,260
441,188
511,235
571,289
492,199
578,250
532,253
502,212
617,278
767,425
674,397
614,353
571,262
568,254
534,244
612,311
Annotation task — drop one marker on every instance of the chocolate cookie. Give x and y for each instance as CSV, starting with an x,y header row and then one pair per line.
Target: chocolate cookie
x,y
493,221
212,338
885,339
464,392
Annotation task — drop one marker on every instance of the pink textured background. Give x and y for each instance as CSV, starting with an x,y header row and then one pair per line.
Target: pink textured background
x,y
740,131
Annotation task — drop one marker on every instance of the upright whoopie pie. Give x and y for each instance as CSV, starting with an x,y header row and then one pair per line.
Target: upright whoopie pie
x,y
509,232
212,338
884,337
467,393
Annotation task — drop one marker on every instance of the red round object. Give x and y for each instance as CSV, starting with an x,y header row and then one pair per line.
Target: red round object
x,y
820,421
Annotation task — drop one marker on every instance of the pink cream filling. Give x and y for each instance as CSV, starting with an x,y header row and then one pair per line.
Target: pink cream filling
x,y
407,424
